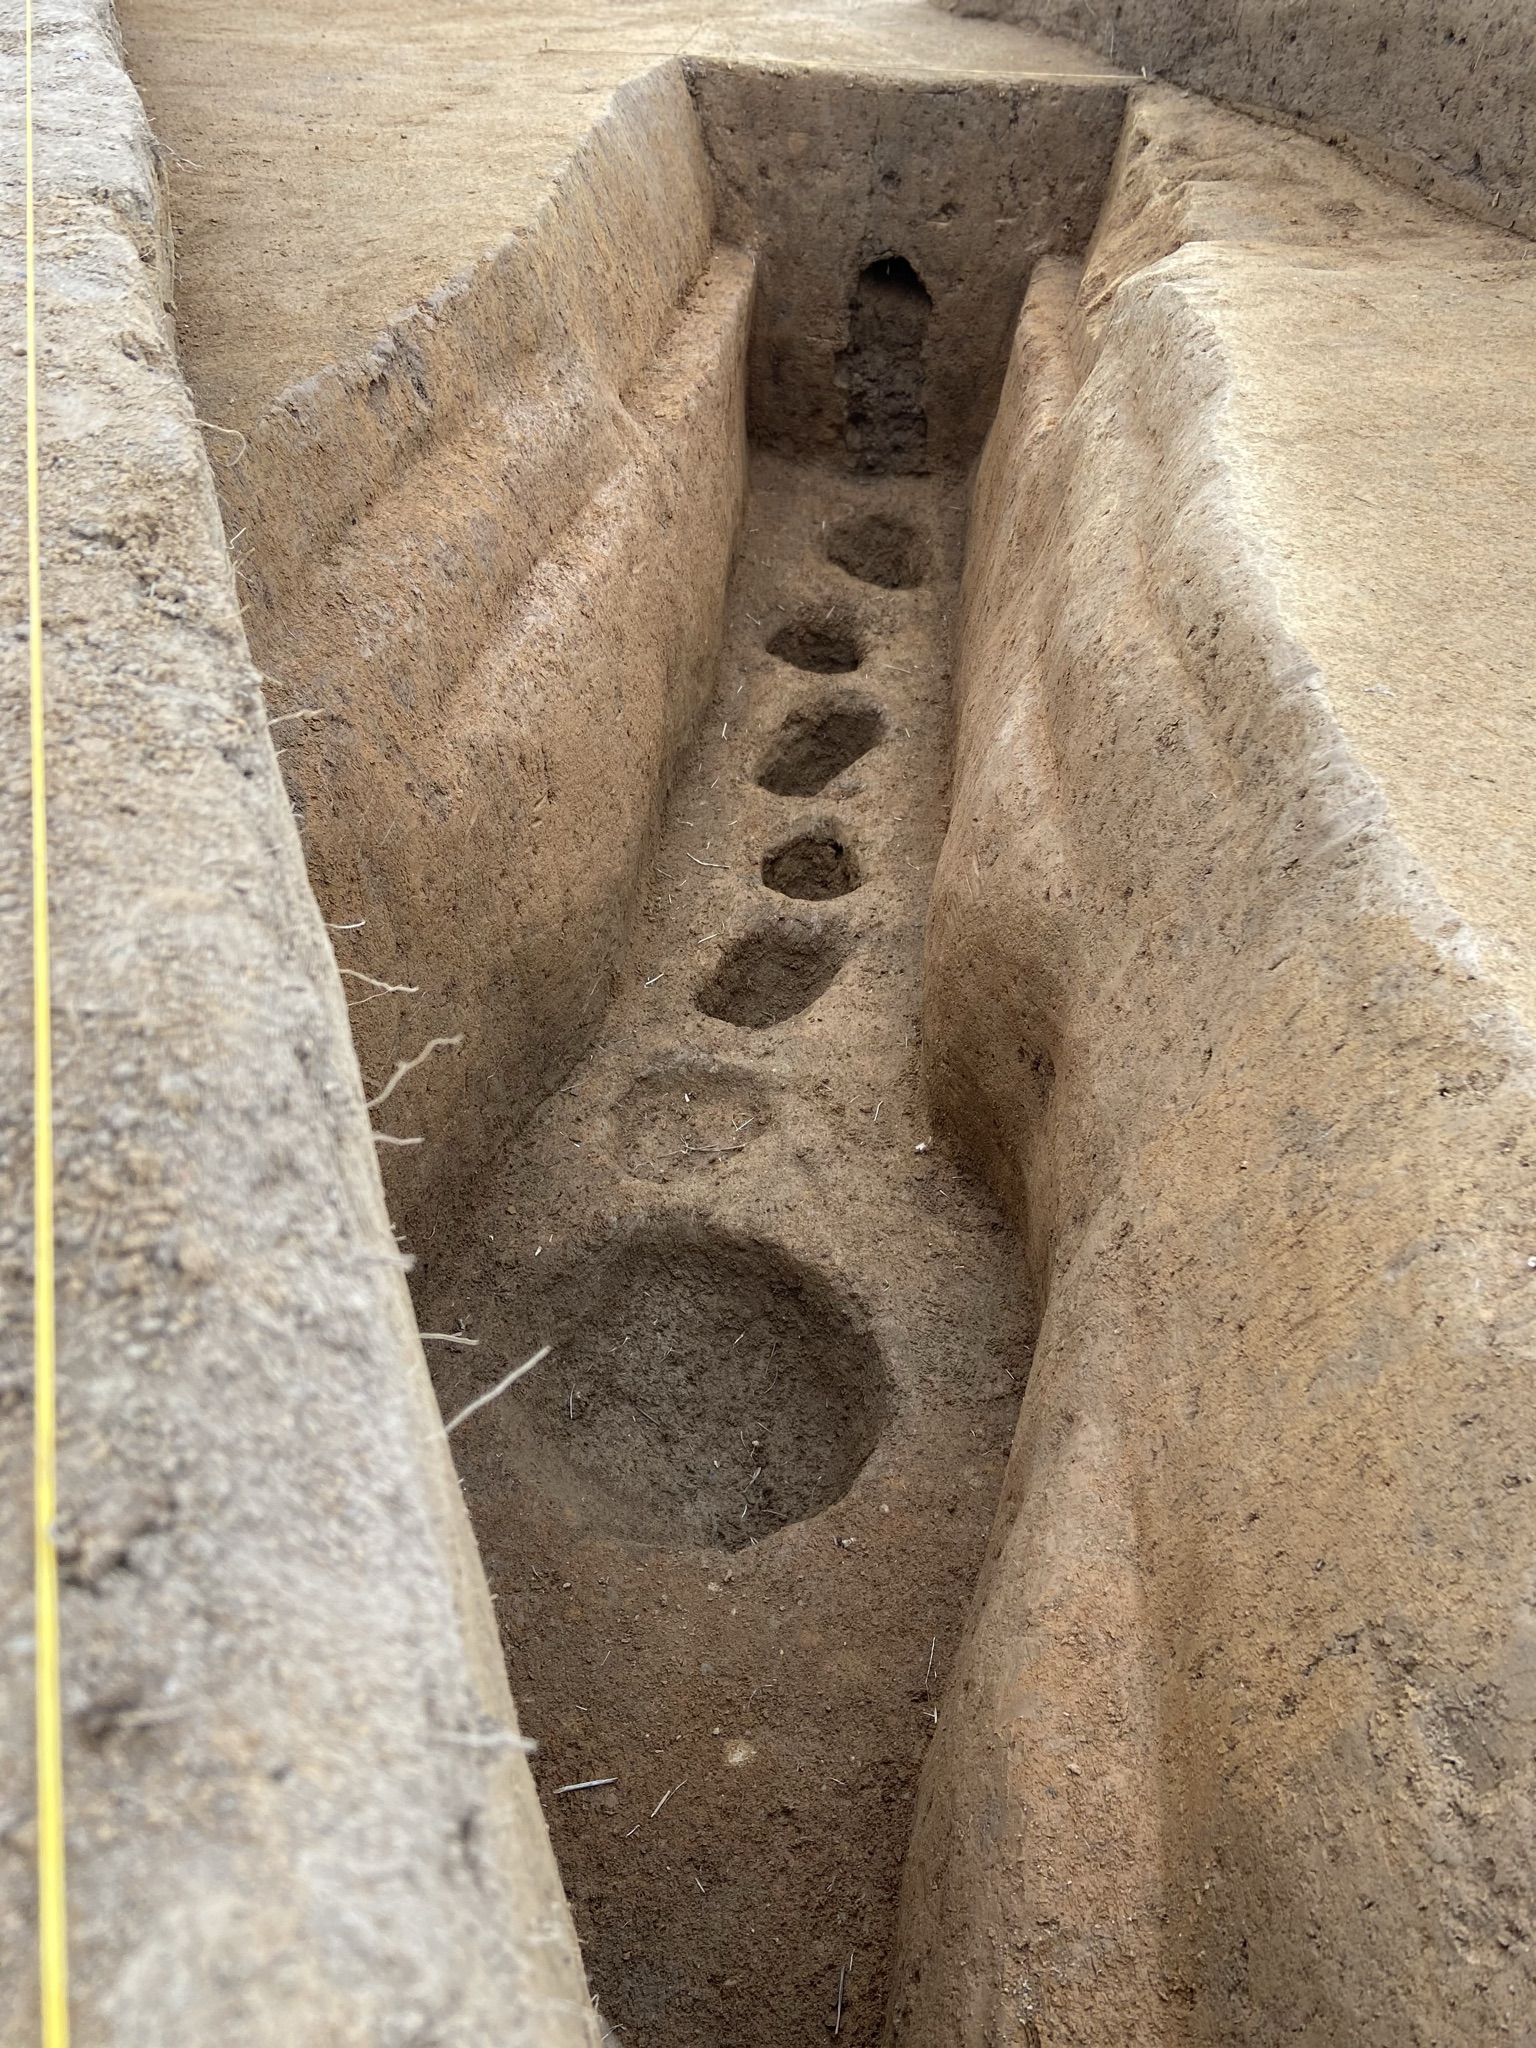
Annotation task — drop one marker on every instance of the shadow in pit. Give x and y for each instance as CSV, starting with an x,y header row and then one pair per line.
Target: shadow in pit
x,y
770,975
814,867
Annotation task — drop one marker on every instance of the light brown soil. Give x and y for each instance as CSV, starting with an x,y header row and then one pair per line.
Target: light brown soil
x,y
733,1522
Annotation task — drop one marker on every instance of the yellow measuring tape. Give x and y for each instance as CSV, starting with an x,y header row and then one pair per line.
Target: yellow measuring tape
x,y
52,1927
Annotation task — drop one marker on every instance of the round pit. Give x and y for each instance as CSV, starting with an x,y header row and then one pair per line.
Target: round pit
x,y
824,646
705,1389
881,550
813,866
772,974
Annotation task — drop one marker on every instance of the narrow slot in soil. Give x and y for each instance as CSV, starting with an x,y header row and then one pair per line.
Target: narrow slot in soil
x,y
882,368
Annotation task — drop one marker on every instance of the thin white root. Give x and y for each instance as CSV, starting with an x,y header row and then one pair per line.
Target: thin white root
x,y
388,988
448,1337
501,1386
404,1067
661,1802
213,427
388,1138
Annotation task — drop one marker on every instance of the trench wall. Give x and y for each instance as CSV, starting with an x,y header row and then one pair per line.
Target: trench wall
x,y
1241,1748
1436,94
486,569
284,1699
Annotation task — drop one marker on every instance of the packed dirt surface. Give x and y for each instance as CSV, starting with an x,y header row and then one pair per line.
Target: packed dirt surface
x,y
732,1522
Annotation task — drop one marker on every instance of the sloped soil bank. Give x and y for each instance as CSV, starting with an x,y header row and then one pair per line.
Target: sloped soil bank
x,y
732,1522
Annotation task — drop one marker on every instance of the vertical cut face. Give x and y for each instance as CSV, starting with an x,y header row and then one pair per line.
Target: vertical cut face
x,y
881,369
880,549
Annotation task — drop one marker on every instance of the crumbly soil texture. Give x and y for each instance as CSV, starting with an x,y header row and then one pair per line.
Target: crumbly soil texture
x,y
732,1521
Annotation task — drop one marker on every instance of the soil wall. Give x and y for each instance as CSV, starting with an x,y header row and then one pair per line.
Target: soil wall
x,y
284,1701
965,182
486,576
1436,94
1240,1748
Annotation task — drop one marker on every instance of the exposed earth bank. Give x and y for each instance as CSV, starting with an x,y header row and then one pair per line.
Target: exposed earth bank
x,y
859,839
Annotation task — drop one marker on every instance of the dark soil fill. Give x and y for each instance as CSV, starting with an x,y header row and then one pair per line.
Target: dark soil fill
x,y
772,974
815,745
879,549
706,1390
881,369
813,866
824,647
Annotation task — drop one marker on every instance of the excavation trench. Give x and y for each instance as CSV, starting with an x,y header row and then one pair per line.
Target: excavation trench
x,y
733,1521
634,787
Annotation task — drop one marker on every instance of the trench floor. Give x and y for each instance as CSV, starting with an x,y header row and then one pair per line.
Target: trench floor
x,y
732,1522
